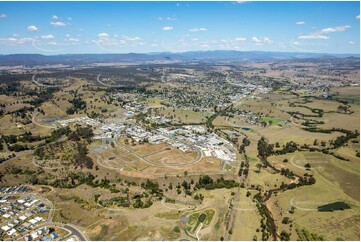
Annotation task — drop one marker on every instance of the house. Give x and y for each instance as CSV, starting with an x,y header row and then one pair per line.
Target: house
x,y
34,235
54,236
5,228
46,238
28,238
33,221
11,232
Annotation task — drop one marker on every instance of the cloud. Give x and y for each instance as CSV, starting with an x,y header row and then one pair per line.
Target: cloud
x,y
128,38
15,41
103,36
313,36
71,40
240,39
167,28
55,17
167,18
335,29
261,41
351,43
198,30
300,22
70,19
358,16
240,2
58,24
32,28
47,36
52,43
3,15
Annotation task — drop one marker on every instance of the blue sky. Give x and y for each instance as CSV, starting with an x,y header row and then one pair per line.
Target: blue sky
x,y
118,27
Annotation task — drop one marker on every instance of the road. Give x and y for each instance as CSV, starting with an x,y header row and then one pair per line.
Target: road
x,y
53,126
105,84
40,84
199,229
23,153
74,231
199,156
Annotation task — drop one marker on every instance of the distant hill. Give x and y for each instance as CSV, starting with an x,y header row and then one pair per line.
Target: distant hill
x,y
216,55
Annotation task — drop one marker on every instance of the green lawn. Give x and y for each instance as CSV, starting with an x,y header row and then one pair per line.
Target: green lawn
x,y
270,119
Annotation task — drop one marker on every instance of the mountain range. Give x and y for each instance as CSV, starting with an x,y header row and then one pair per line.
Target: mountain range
x,y
206,56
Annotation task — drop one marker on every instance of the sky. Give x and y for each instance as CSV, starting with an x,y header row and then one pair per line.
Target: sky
x,y
121,27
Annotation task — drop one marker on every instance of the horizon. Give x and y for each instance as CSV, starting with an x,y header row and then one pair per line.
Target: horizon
x,y
54,28
166,52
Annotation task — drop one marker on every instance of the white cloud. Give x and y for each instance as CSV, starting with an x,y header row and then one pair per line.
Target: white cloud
x,y
3,15
167,18
167,28
47,36
358,16
52,43
335,29
261,41
32,28
300,22
128,38
239,39
351,43
58,24
55,17
15,41
198,30
72,40
241,2
103,36
313,36
70,19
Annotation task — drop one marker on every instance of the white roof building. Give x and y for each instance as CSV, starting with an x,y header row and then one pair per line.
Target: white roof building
x,y
11,232
5,228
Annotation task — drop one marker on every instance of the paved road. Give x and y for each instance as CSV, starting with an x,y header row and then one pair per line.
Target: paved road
x,y
40,84
199,156
105,84
53,126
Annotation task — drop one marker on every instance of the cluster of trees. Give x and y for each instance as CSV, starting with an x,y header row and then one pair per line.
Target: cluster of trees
x,y
244,168
80,133
209,184
287,173
81,158
77,105
18,147
265,149
265,222
153,187
2,159
245,142
73,180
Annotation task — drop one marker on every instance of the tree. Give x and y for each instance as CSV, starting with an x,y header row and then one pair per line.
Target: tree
x,y
259,166
285,220
285,236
